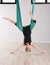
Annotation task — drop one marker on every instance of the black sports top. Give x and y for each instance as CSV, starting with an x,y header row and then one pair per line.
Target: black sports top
x,y
27,34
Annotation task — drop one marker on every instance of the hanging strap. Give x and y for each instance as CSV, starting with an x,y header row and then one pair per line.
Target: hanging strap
x,y
33,2
18,16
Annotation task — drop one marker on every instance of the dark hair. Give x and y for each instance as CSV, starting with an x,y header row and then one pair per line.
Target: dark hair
x,y
26,49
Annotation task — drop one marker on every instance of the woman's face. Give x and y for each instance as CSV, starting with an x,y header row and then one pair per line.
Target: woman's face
x,y
28,49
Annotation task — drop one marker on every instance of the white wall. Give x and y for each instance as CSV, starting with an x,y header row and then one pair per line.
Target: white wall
x,y
42,14
10,33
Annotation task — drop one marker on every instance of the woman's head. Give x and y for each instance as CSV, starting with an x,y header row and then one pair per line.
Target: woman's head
x,y
27,47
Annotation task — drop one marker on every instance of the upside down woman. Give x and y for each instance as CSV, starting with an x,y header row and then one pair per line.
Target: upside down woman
x,y
25,29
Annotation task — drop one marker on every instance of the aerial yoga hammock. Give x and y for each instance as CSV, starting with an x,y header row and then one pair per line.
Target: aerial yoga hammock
x,y
25,29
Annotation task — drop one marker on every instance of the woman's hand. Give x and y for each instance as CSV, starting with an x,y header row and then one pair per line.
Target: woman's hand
x,y
42,52
11,52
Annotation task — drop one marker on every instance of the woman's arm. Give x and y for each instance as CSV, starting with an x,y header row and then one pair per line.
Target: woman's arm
x,y
38,49
22,45
18,24
10,20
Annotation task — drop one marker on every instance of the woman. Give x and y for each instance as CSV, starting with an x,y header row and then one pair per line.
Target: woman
x,y
26,30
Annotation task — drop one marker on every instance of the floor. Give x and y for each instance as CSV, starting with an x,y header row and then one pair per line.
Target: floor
x,y
21,57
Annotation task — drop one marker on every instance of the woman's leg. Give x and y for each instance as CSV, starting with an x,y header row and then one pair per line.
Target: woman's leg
x,y
18,16
33,21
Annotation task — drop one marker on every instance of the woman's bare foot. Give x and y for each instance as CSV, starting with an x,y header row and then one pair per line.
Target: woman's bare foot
x,y
5,18
30,13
